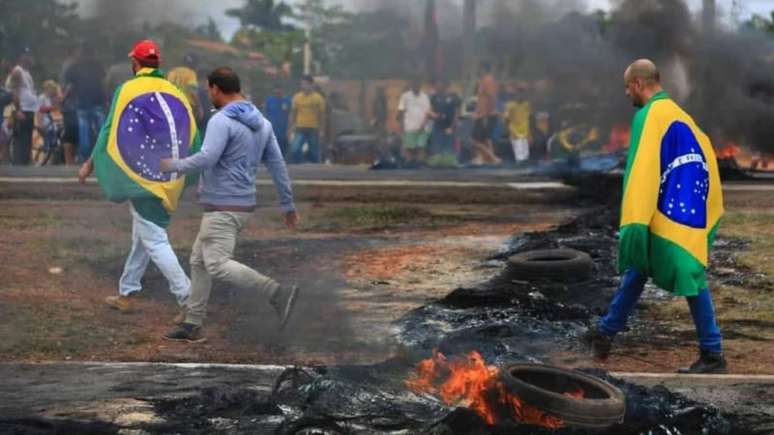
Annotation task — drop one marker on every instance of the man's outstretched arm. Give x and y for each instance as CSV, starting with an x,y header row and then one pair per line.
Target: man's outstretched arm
x,y
212,148
275,164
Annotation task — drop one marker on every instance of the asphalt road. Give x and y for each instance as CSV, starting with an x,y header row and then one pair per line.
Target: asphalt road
x,y
332,172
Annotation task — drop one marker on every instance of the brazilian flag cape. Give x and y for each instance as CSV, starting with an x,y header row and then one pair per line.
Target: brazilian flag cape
x,y
150,119
672,199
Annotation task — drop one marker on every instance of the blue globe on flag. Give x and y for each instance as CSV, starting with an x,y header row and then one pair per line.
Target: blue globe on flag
x,y
153,126
684,178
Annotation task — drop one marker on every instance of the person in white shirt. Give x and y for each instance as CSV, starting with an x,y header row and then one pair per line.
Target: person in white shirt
x,y
25,103
413,111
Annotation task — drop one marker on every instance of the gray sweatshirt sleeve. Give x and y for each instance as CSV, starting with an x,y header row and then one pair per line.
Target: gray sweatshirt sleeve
x,y
214,143
275,164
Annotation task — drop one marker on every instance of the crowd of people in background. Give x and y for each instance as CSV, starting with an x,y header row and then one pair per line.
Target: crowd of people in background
x,y
500,122
70,110
67,116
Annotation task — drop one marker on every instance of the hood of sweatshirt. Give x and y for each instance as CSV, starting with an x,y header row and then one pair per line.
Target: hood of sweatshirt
x,y
246,113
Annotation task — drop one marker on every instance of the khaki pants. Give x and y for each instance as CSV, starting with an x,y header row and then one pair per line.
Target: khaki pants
x,y
212,258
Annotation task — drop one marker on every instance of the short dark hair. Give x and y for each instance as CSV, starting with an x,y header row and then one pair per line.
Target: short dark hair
x,y
486,66
148,63
307,78
225,79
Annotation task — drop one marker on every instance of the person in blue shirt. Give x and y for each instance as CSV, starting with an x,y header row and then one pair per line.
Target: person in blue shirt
x,y
277,110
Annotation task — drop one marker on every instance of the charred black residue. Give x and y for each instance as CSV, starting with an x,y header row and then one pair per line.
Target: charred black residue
x,y
506,320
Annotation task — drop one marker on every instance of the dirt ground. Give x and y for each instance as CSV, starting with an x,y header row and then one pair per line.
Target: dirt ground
x,y
364,256
745,314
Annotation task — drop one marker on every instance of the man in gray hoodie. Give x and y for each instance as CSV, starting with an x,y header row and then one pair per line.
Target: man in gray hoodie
x,y
238,139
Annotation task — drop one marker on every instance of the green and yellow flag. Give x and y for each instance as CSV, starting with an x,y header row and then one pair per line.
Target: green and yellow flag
x,y
672,198
150,119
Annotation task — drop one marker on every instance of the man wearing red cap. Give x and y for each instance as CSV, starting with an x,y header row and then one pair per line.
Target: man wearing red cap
x,y
149,119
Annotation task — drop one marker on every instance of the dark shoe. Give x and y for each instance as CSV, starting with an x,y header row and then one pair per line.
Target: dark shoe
x,y
187,332
599,343
710,363
283,301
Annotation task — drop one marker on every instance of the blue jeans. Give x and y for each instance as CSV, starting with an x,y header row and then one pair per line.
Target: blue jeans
x,y
301,136
150,242
629,292
89,123
281,133
441,142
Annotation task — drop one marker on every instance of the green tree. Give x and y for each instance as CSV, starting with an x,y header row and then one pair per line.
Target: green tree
x,y
368,45
279,47
759,22
263,14
210,30
46,26
328,24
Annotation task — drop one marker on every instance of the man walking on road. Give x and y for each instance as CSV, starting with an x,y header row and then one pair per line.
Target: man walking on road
x,y
150,118
672,203
238,139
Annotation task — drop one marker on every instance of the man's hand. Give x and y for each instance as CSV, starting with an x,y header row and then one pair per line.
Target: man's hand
x,y
165,165
291,220
20,116
85,170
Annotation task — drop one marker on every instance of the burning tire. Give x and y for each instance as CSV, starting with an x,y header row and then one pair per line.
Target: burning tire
x,y
577,398
565,265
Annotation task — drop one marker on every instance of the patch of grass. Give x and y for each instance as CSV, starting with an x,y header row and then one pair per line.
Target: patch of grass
x,y
96,253
46,330
43,221
758,228
739,220
384,215
371,217
737,305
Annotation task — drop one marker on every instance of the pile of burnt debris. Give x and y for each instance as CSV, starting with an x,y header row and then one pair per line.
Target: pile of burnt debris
x,y
506,320
374,399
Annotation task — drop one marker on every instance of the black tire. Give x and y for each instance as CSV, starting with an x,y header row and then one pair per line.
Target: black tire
x,y
542,386
564,265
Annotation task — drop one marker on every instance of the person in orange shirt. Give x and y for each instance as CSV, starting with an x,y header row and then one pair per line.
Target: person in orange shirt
x,y
485,118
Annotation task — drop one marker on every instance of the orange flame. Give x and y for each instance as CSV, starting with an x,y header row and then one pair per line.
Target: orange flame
x,y
471,383
730,150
